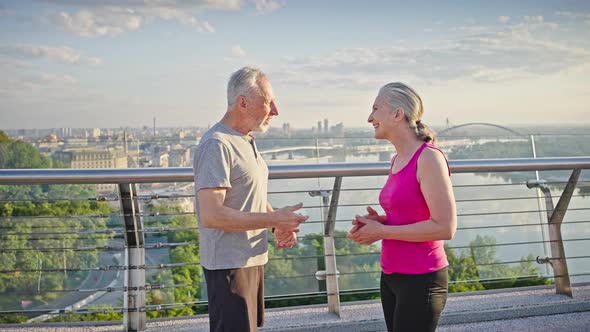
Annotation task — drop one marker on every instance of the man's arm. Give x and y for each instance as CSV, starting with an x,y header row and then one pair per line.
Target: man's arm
x,y
214,214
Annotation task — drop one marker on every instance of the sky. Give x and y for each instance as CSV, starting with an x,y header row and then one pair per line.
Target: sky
x,y
120,63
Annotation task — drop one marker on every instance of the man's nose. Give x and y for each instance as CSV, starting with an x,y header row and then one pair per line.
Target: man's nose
x,y
274,110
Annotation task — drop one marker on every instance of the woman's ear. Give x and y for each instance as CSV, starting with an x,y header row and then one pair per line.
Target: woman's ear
x,y
398,114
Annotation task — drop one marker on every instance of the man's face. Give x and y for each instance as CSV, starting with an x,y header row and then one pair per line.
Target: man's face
x,y
262,107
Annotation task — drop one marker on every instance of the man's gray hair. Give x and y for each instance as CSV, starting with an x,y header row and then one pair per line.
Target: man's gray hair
x,y
242,83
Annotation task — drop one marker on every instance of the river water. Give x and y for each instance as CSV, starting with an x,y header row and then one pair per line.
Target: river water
x,y
487,205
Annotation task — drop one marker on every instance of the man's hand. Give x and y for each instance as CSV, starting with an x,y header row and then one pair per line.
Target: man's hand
x,y
287,219
285,239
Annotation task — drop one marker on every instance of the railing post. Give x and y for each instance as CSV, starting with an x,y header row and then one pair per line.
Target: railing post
x,y
330,251
331,274
134,318
540,204
555,219
321,260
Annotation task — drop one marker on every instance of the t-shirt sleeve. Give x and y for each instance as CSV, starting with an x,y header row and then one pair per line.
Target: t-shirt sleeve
x,y
212,166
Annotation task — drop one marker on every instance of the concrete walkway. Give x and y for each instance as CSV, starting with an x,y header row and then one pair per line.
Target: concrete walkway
x,y
524,309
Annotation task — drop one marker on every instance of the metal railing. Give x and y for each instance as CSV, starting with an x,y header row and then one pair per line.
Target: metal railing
x,y
134,226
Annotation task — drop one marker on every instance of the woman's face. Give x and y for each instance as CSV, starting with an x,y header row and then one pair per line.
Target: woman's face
x,y
381,117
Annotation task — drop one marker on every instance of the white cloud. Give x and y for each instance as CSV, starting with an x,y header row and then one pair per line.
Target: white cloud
x,y
496,55
573,15
267,6
86,23
110,17
238,51
42,85
503,19
61,54
6,12
53,78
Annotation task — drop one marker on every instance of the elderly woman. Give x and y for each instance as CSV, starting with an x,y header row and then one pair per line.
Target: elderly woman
x,y
419,214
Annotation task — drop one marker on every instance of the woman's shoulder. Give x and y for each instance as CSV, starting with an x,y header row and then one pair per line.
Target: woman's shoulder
x,y
433,158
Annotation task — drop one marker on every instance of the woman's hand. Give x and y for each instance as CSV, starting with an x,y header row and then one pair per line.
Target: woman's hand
x,y
373,215
365,230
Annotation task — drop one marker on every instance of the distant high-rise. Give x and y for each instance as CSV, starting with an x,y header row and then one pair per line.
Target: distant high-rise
x,y
154,126
326,126
65,132
319,127
287,129
95,132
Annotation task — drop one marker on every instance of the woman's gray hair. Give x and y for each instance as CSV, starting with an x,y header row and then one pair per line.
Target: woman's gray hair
x,y
399,95
242,83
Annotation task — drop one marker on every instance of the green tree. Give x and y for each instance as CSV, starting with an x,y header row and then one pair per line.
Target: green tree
x,y
29,214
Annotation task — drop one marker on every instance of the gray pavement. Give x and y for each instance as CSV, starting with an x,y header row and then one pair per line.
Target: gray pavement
x,y
530,309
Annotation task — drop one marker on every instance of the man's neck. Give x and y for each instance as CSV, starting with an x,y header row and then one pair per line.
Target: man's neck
x,y
232,122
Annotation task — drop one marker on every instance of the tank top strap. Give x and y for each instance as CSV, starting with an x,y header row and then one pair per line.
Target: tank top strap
x,y
444,155
414,160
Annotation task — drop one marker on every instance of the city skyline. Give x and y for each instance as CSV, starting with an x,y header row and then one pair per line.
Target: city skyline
x,y
113,64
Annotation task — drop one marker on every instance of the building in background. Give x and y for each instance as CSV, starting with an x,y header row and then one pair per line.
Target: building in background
x,y
93,158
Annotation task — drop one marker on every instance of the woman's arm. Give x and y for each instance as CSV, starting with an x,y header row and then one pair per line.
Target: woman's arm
x,y
437,189
435,184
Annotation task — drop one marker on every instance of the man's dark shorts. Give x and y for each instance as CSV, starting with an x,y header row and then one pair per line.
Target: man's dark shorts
x,y
236,298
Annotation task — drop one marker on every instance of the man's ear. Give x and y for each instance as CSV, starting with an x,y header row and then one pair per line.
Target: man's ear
x,y
241,101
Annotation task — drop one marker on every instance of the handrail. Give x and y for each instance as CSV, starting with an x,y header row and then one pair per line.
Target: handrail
x,y
185,174
135,286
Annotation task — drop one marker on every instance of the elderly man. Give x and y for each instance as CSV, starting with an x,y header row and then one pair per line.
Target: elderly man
x,y
231,180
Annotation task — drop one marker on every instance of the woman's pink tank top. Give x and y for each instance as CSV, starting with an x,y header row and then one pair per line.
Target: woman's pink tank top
x,y
403,203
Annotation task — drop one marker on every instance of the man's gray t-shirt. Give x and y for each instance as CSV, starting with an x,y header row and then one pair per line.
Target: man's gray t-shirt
x,y
229,159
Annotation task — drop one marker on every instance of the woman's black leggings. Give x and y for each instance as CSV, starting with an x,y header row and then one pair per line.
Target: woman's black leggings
x,y
413,302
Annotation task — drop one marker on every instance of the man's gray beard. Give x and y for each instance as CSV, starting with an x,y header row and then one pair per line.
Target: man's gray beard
x,y
262,128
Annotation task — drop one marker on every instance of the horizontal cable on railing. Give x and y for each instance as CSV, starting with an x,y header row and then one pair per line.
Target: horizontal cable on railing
x,y
501,199
105,247
512,184
160,196
501,280
117,236
105,268
68,311
60,199
280,258
538,224
515,243
107,232
156,214
159,307
289,277
571,257
99,215
513,212
146,287
169,245
163,229
294,296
